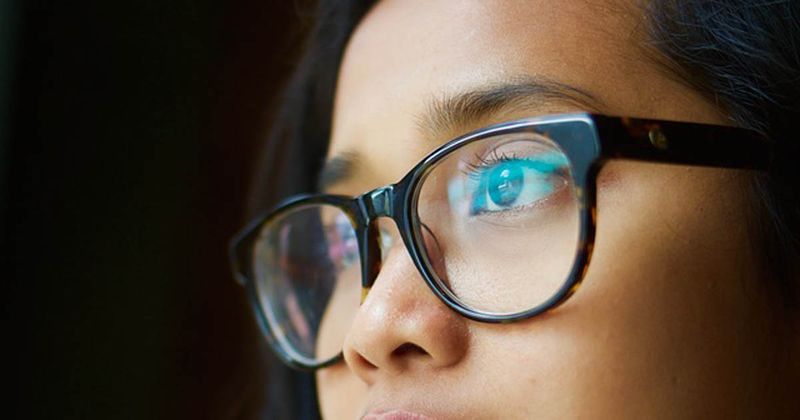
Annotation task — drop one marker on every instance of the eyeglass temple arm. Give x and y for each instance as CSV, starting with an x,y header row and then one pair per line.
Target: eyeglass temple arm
x,y
682,143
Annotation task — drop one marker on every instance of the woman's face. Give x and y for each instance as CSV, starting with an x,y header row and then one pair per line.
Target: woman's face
x,y
671,320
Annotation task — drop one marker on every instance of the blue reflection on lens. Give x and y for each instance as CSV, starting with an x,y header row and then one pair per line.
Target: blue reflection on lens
x,y
509,183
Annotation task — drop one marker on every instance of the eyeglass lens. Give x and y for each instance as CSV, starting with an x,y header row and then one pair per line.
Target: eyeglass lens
x,y
308,280
502,215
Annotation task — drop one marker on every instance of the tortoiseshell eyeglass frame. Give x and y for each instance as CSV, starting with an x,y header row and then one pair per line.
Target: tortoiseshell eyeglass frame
x,y
588,141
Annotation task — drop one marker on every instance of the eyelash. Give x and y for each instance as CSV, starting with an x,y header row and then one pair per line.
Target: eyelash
x,y
484,163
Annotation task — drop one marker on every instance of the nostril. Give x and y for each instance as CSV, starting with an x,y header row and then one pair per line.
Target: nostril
x,y
408,349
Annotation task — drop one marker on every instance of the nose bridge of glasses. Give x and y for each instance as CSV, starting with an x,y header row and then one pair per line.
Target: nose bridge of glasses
x,y
374,205
378,203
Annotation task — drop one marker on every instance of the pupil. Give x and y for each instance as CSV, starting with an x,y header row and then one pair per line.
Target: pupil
x,y
505,184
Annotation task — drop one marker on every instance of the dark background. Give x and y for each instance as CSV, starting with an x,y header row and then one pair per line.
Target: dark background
x,y
128,135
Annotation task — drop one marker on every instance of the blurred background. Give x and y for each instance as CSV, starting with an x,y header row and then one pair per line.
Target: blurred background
x,y
128,134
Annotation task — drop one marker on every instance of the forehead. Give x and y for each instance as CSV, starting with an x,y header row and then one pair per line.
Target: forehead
x,y
406,53
446,43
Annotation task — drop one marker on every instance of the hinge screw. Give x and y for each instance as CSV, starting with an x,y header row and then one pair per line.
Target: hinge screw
x,y
658,139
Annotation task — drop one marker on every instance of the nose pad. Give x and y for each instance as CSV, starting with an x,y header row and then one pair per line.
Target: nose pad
x,y
387,239
433,248
371,257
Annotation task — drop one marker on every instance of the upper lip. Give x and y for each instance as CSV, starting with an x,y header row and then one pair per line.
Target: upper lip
x,y
416,402
395,414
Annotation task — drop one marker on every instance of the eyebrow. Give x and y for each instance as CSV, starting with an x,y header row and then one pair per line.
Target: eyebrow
x,y
449,112
337,169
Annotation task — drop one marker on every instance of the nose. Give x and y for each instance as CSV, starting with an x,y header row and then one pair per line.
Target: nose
x,y
402,326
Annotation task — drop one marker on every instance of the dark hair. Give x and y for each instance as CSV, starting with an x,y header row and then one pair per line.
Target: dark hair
x,y
741,54
744,56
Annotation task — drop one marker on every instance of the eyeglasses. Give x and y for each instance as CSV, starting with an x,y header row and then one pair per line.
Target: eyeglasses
x,y
499,222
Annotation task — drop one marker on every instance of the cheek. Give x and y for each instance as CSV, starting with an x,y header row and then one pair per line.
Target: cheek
x,y
671,308
669,320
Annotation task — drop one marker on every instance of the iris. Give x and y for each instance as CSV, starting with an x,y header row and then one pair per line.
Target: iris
x,y
505,183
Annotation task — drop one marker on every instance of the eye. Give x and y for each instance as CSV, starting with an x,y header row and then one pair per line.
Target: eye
x,y
506,183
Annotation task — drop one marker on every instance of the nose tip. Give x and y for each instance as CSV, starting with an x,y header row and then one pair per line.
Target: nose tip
x,y
393,341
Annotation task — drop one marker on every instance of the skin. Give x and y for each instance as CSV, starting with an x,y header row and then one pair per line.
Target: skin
x,y
672,320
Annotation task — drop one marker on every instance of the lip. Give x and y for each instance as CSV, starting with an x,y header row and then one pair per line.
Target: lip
x,y
395,415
